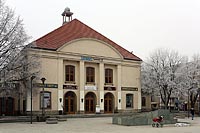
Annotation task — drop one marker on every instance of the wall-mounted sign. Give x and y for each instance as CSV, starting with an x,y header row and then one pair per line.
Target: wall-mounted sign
x,y
86,58
91,88
106,88
46,85
9,84
72,87
129,89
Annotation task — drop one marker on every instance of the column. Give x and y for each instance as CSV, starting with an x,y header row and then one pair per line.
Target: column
x,y
101,85
81,85
119,75
60,85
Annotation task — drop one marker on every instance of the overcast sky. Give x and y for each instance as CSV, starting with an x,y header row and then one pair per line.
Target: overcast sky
x,y
140,26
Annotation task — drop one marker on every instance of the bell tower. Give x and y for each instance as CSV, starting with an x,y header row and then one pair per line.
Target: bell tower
x,y
66,14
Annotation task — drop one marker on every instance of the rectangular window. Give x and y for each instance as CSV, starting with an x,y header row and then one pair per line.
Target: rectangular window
x,y
108,76
143,101
70,73
46,102
90,75
129,100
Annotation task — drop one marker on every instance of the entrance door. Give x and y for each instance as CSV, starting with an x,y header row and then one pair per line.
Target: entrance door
x,y
7,106
108,103
90,103
70,100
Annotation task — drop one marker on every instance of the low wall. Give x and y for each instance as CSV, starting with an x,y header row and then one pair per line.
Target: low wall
x,y
143,118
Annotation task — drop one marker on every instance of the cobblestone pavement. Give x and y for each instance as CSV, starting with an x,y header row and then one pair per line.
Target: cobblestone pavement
x,y
95,125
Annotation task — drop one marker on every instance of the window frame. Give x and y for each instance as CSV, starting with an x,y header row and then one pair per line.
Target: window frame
x,y
90,75
69,74
129,100
143,101
109,76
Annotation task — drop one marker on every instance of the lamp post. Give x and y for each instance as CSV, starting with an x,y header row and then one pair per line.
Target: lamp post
x,y
198,91
189,102
43,111
32,77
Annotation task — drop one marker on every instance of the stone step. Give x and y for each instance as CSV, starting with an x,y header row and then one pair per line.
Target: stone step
x,y
52,121
62,119
12,119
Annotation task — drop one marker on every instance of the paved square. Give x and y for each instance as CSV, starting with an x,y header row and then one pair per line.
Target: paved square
x,y
94,125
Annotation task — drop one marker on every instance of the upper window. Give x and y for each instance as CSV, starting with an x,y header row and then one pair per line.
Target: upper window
x,y
90,75
70,73
108,75
46,100
129,100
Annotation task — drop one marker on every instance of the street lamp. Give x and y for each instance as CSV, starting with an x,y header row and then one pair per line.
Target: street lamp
x,y
198,91
189,101
194,85
43,111
32,77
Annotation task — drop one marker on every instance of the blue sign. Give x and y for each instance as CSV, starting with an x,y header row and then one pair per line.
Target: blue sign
x,y
85,58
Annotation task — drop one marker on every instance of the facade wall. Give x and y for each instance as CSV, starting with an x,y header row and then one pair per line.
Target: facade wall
x,y
100,56
146,106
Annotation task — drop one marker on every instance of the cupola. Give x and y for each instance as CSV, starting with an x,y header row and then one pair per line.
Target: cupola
x,y
67,14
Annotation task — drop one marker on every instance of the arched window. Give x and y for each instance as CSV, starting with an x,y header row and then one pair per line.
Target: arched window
x,y
129,100
108,76
90,75
46,101
70,73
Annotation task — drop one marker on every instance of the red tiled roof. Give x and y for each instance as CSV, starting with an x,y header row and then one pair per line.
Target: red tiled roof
x,y
76,30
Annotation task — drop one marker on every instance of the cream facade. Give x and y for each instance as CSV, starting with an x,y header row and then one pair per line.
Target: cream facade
x,y
83,53
85,72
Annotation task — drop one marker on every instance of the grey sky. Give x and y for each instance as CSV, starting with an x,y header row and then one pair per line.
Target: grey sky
x,y
140,26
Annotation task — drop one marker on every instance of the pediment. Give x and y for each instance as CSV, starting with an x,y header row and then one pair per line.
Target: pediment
x,y
88,46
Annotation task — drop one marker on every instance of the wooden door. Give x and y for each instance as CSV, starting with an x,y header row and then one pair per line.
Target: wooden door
x,y
108,103
70,103
89,104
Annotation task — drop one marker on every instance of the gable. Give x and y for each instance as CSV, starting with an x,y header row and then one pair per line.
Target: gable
x,y
89,46
74,30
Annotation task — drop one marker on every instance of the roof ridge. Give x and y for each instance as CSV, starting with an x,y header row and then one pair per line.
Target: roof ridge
x,y
53,30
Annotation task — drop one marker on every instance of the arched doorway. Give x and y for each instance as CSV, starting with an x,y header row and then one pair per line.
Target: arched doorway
x,y
70,103
108,103
90,102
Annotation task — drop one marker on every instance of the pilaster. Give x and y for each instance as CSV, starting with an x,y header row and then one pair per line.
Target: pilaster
x,y
101,85
119,75
28,101
81,85
139,94
60,84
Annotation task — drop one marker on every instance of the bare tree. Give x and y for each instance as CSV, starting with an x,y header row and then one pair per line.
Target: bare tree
x,y
24,65
12,35
18,74
160,74
191,82
12,40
